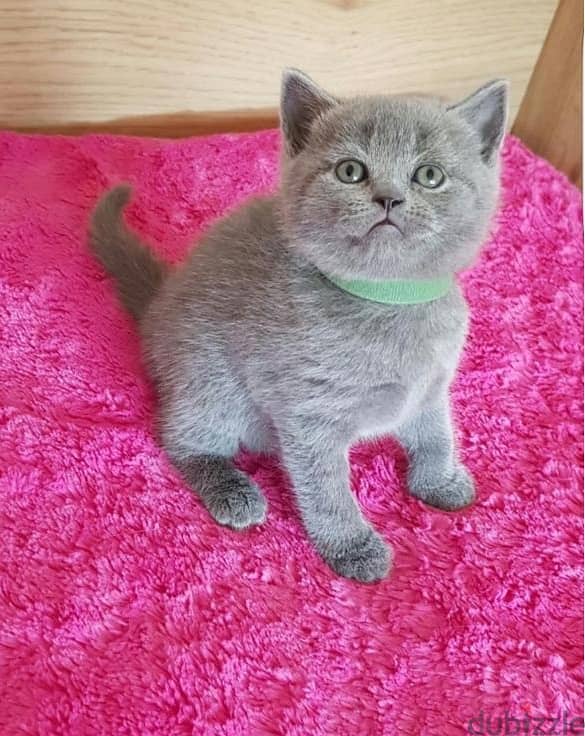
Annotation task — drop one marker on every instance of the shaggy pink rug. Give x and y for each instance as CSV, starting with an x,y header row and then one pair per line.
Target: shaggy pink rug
x,y
124,609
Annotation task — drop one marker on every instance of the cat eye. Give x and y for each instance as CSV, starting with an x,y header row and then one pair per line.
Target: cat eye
x,y
350,171
429,176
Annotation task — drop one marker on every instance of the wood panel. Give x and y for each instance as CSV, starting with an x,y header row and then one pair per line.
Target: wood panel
x,y
549,121
163,65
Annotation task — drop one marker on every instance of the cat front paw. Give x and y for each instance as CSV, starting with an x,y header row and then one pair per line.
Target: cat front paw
x,y
238,507
366,558
451,494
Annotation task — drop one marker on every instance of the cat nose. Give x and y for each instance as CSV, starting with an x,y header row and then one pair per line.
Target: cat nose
x,y
387,202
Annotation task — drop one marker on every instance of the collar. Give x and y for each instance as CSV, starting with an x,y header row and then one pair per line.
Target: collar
x,y
396,291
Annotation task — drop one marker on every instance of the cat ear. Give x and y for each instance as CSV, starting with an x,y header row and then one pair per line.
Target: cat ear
x,y
486,110
301,102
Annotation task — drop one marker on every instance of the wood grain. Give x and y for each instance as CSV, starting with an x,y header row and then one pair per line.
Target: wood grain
x,y
549,121
172,125
85,63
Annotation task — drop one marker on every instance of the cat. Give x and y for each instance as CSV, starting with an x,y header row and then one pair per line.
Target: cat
x,y
325,313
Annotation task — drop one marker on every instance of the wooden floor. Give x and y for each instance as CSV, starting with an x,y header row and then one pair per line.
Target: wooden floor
x,y
175,67
549,120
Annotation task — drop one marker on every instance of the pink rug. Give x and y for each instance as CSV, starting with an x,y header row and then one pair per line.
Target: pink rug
x,y
125,610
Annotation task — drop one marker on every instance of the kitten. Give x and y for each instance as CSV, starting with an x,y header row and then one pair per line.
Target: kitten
x,y
324,313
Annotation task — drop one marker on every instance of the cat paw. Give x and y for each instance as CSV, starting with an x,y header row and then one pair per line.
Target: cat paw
x,y
450,495
238,507
366,558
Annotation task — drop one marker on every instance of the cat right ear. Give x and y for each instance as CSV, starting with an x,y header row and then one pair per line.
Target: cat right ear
x,y
486,111
301,103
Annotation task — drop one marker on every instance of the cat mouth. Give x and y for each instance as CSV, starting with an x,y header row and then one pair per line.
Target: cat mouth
x,y
386,222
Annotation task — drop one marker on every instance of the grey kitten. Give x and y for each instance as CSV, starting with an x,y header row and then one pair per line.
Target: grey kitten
x,y
251,342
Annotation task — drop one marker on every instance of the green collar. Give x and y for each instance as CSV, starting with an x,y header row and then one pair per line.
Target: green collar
x,y
396,292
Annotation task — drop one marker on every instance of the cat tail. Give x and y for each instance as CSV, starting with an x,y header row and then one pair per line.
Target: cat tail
x,y
137,271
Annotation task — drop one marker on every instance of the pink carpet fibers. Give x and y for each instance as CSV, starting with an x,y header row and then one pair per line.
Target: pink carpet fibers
x,y
124,609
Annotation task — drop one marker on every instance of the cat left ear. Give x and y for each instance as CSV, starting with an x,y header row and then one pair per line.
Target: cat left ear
x,y
487,110
301,103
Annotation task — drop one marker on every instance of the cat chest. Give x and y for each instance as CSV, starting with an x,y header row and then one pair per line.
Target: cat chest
x,y
375,361
381,383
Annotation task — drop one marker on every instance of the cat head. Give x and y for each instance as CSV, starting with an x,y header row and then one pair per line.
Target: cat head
x,y
389,187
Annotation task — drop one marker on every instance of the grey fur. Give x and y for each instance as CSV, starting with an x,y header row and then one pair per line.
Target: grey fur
x,y
249,344
137,271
